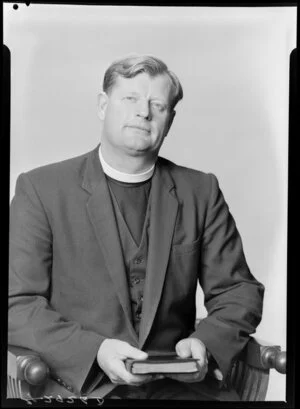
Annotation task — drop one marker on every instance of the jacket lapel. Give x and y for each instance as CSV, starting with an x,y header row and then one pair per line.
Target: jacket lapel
x,y
164,206
101,213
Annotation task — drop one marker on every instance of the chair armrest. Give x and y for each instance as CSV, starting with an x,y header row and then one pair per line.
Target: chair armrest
x,y
262,355
27,365
250,373
29,377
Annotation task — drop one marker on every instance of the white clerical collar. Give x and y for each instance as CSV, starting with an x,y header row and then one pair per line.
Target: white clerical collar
x,y
125,177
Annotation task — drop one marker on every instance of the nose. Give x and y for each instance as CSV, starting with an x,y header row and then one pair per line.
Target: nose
x,y
144,109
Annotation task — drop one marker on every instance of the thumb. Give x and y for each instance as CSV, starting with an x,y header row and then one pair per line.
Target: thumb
x,y
183,348
199,351
132,352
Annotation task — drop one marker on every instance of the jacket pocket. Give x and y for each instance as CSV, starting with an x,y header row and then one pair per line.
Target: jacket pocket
x,y
186,248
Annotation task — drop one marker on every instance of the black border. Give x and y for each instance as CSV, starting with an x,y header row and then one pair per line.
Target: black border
x,y
292,252
156,3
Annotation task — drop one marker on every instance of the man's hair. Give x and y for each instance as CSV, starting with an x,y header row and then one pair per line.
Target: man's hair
x,y
133,65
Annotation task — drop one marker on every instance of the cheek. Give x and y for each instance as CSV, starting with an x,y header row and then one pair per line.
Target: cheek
x,y
160,127
116,117
124,114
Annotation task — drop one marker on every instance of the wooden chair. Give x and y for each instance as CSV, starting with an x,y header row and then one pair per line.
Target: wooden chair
x,y
29,377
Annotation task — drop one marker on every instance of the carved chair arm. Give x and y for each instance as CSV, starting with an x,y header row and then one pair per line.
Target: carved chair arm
x,y
261,355
27,373
250,373
27,365
271,357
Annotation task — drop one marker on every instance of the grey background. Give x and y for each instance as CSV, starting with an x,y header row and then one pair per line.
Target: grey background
x,y
233,121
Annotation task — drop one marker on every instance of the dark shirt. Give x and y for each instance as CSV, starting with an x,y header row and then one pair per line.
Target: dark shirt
x,y
132,199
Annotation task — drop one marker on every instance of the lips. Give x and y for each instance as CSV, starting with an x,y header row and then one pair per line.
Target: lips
x,y
141,128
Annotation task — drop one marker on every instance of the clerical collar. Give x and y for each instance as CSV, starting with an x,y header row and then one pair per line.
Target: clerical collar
x,y
125,177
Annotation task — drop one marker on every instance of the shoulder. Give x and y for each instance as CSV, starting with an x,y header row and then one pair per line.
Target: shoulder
x,y
186,178
57,173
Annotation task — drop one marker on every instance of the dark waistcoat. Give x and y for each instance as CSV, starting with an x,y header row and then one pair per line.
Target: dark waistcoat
x,y
132,213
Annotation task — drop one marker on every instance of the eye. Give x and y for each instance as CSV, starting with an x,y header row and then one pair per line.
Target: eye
x,y
131,98
158,106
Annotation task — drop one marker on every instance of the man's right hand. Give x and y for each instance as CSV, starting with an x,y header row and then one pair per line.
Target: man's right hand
x,y
111,356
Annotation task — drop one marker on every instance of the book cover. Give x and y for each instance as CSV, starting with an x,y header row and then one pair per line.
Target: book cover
x,y
161,363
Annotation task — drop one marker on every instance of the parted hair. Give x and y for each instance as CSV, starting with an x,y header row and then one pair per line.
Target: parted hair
x,y
135,64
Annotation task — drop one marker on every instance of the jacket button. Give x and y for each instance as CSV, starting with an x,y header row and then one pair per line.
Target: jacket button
x,y
138,260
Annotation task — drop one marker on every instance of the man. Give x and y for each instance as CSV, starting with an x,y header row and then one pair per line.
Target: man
x,y
107,248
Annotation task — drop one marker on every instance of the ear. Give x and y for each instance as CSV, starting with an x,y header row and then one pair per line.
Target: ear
x,y
102,101
171,119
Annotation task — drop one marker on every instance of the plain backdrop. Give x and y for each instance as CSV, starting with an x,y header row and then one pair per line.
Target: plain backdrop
x,y
233,121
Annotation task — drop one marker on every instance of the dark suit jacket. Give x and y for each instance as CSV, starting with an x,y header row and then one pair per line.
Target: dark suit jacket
x,y
68,288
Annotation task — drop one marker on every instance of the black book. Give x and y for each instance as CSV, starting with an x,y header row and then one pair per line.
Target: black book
x,y
164,362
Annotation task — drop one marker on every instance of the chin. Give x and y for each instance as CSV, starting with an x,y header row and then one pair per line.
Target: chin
x,y
140,144
139,149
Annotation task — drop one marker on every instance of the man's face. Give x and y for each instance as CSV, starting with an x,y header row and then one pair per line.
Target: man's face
x,y
136,114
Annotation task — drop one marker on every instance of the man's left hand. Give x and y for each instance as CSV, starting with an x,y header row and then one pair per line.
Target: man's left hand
x,y
192,348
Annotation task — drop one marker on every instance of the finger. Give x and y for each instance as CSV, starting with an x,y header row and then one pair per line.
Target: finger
x,y
144,379
128,351
218,374
139,380
183,348
191,377
202,373
202,367
121,373
157,377
198,350
117,381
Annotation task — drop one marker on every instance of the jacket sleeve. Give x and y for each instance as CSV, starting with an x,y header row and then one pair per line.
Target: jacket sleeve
x,y
69,350
232,296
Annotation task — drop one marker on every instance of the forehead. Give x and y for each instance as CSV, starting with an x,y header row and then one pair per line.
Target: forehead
x,y
143,83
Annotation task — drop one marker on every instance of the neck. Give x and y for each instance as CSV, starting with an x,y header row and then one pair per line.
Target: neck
x,y
126,163
122,176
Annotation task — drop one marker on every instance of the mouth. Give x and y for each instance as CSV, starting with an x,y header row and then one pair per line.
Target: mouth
x,y
140,128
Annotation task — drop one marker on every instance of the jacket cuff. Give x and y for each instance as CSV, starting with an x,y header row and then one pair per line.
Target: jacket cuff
x,y
223,343
93,378
83,373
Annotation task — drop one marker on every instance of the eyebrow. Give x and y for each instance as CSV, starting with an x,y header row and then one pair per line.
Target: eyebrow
x,y
138,94
157,99
132,93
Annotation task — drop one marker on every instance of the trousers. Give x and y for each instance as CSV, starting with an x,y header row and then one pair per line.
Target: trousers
x,y
170,389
